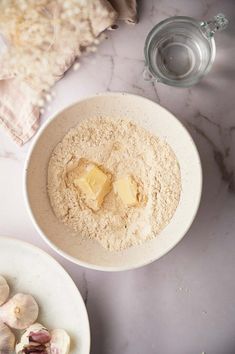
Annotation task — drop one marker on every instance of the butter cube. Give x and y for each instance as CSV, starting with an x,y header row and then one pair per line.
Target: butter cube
x,y
127,190
95,184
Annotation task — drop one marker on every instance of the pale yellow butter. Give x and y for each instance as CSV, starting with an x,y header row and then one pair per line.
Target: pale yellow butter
x,y
95,184
126,188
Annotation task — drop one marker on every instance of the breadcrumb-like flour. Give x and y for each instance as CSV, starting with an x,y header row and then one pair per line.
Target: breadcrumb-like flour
x,y
123,148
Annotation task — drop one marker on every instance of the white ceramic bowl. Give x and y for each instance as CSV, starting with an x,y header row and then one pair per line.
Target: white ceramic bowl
x,y
153,118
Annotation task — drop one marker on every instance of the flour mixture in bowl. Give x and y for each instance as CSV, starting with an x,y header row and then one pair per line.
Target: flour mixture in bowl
x,y
112,181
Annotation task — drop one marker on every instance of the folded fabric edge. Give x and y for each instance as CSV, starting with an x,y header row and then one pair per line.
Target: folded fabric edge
x,y
21,139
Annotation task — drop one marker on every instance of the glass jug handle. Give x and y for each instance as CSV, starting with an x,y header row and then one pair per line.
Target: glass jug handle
x,y
219,23
149,77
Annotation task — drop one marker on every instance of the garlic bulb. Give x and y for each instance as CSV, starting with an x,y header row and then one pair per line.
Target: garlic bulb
x,y
20,311
7,339
60,342
4,290
35,337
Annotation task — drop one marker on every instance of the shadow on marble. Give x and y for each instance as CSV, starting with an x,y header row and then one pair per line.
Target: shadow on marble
x,y
97,326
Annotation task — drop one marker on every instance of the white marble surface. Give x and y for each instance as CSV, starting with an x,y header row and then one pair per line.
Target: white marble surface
x,y
185,302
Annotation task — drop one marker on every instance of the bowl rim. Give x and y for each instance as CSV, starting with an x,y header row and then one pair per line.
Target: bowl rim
x,y
65,254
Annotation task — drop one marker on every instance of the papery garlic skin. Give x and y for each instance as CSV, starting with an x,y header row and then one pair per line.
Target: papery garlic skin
x,y
4,290
20,311
60,342
27,340
7,339
37,338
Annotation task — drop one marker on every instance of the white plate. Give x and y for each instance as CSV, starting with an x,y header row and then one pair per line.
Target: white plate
x,y
30,270
155,119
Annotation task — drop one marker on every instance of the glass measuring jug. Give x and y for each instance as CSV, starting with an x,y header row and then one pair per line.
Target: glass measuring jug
x,y
180,50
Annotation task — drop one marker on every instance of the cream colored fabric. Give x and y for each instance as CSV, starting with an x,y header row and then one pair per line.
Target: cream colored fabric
x,y
110,15
18,116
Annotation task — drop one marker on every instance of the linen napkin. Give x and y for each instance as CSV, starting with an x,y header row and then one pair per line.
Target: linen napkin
x,y
18,114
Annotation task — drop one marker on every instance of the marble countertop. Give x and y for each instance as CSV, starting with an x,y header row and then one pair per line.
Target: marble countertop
x,y
183,303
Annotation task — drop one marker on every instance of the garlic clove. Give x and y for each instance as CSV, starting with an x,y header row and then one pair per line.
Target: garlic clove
x,y
35,337
20,311
7,339
42,336
4,290
60,342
